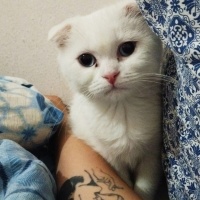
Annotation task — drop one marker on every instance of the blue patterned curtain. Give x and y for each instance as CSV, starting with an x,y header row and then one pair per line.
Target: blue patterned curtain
x,y
177,23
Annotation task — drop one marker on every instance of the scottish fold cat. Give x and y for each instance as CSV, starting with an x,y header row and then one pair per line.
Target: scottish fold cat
x,y
111,60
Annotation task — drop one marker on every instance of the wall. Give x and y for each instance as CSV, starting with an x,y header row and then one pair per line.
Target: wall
x,y
24,49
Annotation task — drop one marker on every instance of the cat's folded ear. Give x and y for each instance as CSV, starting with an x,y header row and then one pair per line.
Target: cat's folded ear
x,y
60,33
131,9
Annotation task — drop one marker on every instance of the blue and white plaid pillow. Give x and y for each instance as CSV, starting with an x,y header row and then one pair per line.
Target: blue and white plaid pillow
x,y
26,116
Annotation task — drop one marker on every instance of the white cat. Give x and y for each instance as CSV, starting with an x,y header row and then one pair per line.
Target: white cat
x,y
111,60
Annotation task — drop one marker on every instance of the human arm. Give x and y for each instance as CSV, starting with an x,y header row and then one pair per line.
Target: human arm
x,y
84,174
93,177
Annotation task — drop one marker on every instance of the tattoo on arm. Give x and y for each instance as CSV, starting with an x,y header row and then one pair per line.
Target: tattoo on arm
x,y
69,187
95,185
107,180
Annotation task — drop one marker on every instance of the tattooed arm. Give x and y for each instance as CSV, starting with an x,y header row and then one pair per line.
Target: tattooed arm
x,y
84,175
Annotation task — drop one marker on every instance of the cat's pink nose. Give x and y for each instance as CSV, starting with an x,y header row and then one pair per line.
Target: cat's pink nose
x,y
111,78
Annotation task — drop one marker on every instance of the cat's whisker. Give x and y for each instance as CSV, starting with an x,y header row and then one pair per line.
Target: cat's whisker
x,y
154,76
138,90
98,90
88,94
91,94
133,81
96,84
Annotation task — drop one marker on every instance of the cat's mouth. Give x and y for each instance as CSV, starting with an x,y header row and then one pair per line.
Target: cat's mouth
x,y
115,90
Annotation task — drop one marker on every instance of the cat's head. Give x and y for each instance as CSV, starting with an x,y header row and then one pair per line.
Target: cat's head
x,y
101,55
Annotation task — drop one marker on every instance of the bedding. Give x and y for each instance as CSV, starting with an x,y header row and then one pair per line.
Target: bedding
x,y
27,119
22,175
26,116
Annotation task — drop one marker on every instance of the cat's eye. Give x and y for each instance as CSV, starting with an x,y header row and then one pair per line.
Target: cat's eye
x,y
126,49
87,60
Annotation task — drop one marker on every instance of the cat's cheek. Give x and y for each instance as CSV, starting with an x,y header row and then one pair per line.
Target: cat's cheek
x,y
83,78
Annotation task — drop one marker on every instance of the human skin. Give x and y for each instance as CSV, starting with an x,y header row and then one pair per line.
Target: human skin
x,y
81,172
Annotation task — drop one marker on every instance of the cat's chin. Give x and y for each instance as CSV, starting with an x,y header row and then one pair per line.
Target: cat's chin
x,y
116,94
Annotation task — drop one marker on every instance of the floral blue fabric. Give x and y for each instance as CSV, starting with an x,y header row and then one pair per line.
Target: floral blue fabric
x,y
26,116
177,23
22,175
29,119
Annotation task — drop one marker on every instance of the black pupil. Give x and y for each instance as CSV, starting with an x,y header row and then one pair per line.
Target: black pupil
x,y
127,48
87,60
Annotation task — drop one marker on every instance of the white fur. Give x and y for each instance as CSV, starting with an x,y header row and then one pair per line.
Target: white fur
x,y
122,124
